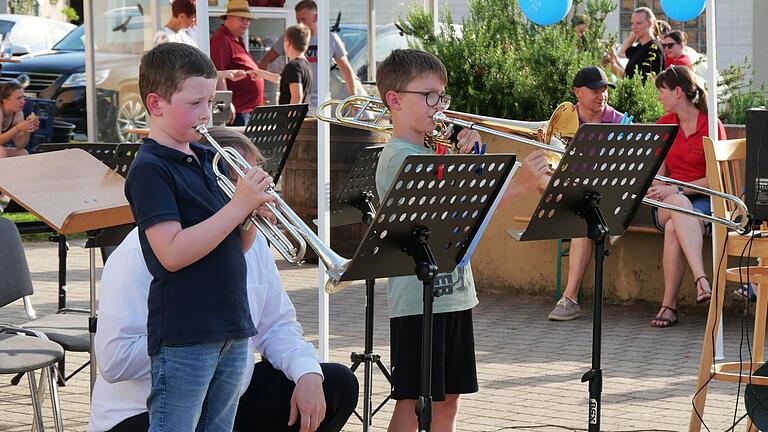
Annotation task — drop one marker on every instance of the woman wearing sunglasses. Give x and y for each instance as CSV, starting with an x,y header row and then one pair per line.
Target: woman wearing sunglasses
x,y
674,44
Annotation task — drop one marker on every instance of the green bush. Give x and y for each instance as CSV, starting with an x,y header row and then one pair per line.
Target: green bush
x,y
503,65
637,99
71,14
739,93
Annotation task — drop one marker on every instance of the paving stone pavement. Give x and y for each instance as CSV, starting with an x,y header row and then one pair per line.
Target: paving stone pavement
x,y
529,368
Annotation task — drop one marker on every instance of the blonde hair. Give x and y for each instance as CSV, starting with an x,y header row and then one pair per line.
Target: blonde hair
x,y
649,16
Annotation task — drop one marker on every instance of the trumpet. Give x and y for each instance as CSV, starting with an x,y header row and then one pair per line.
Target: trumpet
x,y
335,265
368,112
353,112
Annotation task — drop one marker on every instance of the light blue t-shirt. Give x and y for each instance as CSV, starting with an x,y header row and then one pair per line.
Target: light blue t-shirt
x,y
405,293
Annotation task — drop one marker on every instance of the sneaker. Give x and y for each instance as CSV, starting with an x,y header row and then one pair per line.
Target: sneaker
x,y
565,310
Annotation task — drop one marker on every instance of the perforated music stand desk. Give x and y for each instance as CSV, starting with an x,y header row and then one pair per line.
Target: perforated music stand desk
x,y
358,199
432,216
357,202
273,129
595,192
72,192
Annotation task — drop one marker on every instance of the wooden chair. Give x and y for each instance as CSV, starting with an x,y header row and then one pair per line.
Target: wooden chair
x,y
725,172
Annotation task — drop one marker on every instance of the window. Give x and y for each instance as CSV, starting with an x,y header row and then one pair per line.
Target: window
x,y
695,29
30,37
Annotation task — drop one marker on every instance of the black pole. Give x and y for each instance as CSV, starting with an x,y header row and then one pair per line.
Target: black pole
x,y
368,380
367,212
597,231
426,271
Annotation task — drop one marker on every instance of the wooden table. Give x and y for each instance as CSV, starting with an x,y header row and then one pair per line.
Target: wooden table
x,y
71,191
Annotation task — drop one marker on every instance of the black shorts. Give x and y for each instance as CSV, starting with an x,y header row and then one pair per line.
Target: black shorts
x,y
453,355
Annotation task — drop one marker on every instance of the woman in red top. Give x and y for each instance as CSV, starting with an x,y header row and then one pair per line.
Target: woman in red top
x,y
674,49
686,104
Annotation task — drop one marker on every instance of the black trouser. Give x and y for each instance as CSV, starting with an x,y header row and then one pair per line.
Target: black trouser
x,y
266,404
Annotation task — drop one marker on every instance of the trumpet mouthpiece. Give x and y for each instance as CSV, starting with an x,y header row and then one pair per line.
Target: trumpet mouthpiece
x,y
201,128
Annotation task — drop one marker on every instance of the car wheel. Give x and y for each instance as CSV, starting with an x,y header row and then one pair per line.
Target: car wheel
x,y
130,115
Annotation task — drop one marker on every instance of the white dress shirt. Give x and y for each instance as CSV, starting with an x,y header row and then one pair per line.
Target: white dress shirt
x,y
124,380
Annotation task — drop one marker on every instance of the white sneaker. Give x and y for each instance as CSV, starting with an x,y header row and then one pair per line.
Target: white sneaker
x,y
565,310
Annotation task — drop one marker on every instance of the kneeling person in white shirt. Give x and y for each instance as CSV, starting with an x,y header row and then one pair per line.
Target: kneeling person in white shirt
x,y
288,390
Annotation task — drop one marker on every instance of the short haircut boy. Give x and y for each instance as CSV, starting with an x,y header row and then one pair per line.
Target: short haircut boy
x,y
305,4
298,36
403,66
165,67
186,7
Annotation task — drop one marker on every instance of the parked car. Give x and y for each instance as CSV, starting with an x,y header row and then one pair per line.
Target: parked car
x,y
31,33
355,38
59,74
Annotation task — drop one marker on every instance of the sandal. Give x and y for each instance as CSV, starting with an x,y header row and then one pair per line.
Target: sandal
x,y
664,322
746,291
706,294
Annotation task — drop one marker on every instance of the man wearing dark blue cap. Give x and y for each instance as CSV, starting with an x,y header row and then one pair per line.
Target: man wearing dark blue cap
x,y
590,85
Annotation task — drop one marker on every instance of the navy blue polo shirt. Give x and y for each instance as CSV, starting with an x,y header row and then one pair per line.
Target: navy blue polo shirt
x,y
207,300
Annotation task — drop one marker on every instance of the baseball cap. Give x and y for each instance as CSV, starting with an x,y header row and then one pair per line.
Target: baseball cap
x,y
592,77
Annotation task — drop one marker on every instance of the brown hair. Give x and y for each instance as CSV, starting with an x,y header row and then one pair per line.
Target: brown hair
x,y
683,77
650,16
298,36
678,36
186,7
305,4
227,137
7,88
165,67
405,65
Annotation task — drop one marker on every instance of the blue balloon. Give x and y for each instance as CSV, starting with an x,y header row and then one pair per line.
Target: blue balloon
x,y
545,12
683,10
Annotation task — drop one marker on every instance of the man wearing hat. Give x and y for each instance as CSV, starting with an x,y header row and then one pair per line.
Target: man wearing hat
x,y
590,85
228,52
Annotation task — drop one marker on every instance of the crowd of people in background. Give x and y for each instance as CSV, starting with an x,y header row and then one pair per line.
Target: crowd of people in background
x,y
653,50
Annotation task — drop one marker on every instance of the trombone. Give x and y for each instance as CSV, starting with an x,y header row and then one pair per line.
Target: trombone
x,y
352,112
368,112
335,265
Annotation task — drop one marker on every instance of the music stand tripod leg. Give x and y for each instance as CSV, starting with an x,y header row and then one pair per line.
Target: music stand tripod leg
x,y
597,231
426,272
368,357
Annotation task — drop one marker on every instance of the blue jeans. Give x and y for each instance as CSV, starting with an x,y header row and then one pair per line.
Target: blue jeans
x,y
197,386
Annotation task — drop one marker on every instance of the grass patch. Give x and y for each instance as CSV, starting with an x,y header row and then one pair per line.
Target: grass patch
x,y
29,217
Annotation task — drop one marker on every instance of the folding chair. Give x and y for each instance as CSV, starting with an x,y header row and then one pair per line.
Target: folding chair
x,y
23,351
67,327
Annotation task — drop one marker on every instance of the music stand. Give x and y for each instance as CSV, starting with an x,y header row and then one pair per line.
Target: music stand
x,y
606,166
432,216
357,202
273,129
72,192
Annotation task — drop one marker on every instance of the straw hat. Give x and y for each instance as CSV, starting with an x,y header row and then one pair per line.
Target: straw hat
x,y
238,8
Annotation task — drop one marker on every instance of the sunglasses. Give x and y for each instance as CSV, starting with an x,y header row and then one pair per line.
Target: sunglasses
x,y
669,45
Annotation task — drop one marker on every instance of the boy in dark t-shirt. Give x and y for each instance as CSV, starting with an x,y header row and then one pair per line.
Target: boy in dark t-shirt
x,y
296,78
198,321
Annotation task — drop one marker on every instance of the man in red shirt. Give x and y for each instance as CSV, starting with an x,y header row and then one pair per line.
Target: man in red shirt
x,y
228,51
